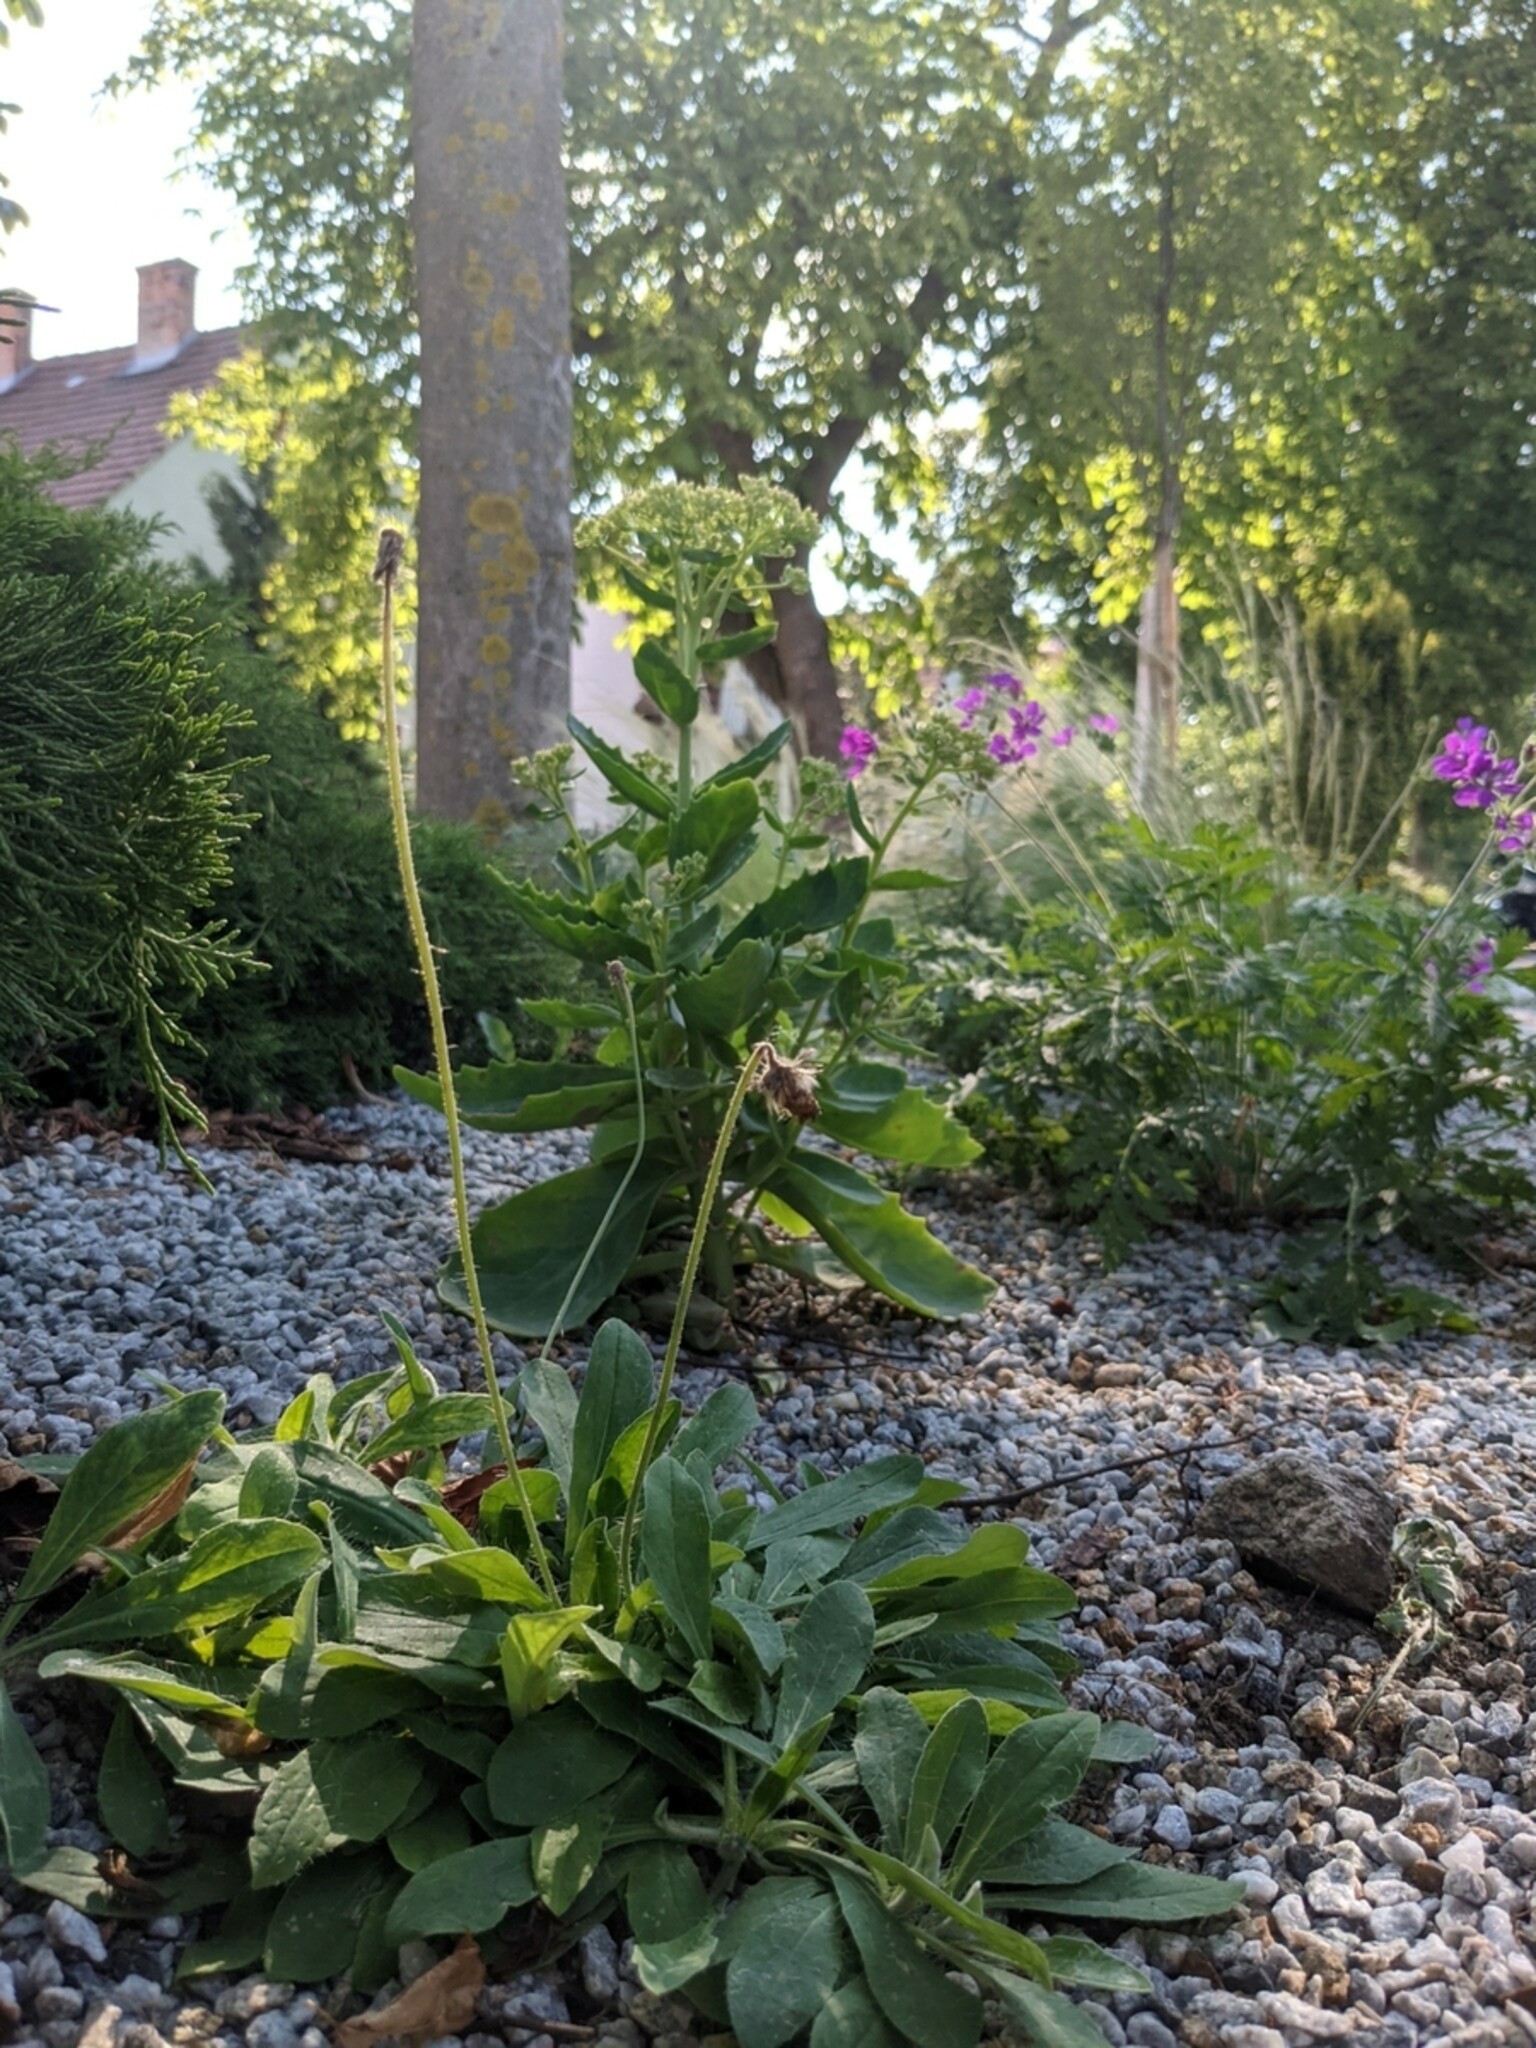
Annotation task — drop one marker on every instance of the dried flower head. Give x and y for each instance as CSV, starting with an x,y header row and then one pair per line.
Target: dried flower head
x,y
787,1086
391,554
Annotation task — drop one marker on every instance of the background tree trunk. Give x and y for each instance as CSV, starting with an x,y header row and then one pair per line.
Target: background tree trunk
x,y
1155,730
493,277
797,672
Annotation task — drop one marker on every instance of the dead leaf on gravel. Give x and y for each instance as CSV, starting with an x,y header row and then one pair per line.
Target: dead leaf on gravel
x,y
26,1502
440,2002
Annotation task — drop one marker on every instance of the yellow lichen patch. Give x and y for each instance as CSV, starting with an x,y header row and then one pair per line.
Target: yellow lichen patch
x,y
482,404
496,614
504,204
482,369
509,405
528,287
492,131
491,816
495,649
503,328
453,145
477,280
495,512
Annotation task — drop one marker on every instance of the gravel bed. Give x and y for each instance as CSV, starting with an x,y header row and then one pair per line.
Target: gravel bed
x,y
1390,1872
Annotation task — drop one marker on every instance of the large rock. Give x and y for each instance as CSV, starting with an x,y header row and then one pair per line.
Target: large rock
x,y
1294,1518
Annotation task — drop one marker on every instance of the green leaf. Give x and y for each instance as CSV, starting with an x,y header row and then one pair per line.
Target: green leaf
x,y
664,1966
433,1423
565,1856
485,1574
994,1547
948,1774
911,1130
551,1764
752,1625
674,1538
1141,1892
829,1652
25,1800
787,1955
888,1746
882,1483
329,1794
528,1095
1048,2019
550,1399
733,645
223,1576
315,1925
128,1791
568,925
720,1428
239,1944
129,1466
752,763
664,1895
716,825
364,1506
1073,1959
871,1233
1036,1768
1058,1853
675,692
619,1382
851,2019
729,994
270,1484
812,902
193,1688
910,1989
557,1014
799,1563
467,1893
529,1247
620,774
529,1648
443,1830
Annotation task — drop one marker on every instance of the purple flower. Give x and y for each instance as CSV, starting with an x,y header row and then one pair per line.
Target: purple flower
x,y
1478,966
1025,725
1515,830
1004,684
858,748
969,705
1065,737
1475,771
1104,721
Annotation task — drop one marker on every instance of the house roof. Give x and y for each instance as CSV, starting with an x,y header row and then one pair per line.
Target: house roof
x,y
75,402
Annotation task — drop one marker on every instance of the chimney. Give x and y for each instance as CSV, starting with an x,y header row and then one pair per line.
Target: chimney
x,y
166,292
15,336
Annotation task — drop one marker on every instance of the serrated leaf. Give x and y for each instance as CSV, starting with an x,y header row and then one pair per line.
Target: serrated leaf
x,y
674,691
621,775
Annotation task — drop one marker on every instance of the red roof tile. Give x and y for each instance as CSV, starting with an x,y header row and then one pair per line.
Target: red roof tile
x,y
72,402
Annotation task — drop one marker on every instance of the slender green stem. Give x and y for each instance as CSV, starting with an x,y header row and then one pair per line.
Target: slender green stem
x,y
389,558
701,1228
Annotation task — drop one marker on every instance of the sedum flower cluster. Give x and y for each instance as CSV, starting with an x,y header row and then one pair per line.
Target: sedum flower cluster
x,y
728,528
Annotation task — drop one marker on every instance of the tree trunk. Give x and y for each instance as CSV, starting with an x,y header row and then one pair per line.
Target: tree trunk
x,y
797,672
493,283
1155,732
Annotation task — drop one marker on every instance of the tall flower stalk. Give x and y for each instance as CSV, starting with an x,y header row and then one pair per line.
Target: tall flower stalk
x,y
391,556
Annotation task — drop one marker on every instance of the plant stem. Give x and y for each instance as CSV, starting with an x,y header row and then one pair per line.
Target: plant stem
x,y
390,550
701,1227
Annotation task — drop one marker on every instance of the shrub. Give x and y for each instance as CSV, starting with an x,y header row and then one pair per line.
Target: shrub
x,y
800,956
116,760
1201,1037
313,893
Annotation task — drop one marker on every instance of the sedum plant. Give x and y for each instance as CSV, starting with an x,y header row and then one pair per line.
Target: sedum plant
x,y
797,948
812,1750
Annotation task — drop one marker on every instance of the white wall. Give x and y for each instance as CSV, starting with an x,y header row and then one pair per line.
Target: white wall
x,y
171,490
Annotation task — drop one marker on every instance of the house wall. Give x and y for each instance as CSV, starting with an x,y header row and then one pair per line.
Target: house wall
x,y
172,490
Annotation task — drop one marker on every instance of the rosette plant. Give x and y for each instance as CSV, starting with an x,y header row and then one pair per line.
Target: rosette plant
x,y
710,956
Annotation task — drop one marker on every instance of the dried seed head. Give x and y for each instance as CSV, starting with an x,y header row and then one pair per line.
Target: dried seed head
x,y
618,974
391,554
787,1086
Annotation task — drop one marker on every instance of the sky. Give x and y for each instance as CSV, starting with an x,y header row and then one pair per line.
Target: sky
x,y
105,188
98,179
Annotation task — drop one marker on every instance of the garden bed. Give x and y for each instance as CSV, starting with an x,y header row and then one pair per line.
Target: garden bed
x,y
1388,1872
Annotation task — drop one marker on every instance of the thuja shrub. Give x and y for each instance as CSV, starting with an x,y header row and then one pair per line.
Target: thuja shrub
x,y
314,894
117,756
